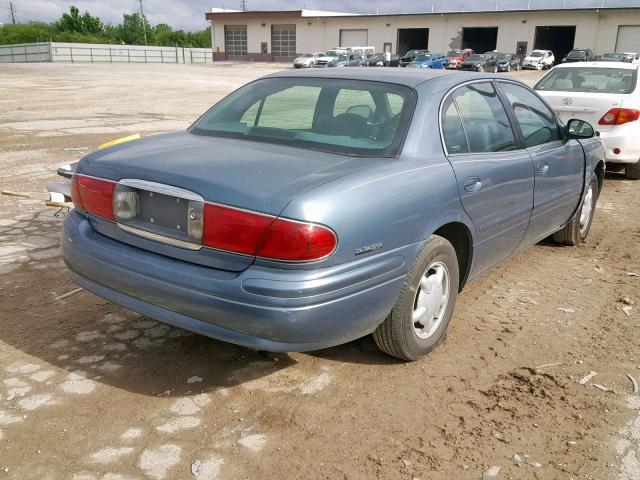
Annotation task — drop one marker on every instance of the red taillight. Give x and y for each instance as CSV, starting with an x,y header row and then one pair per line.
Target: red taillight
x,y
297,241
233,230
618,116
93,195
265,236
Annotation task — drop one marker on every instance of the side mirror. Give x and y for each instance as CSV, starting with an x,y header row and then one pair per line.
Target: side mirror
x,y
577,128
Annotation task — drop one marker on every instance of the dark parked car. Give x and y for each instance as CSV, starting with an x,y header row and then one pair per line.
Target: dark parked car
x,y
410,56
579,55
478,62
378,60
347,60
274,221
503,62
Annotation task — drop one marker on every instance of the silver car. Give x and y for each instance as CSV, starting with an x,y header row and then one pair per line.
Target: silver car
x,y
307,60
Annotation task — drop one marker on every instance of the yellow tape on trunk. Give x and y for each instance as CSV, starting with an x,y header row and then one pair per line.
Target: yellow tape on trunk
x,y
119,140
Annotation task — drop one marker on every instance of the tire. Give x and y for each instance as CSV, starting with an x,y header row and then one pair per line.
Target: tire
x,y
575,232
508,67
400,335
481,69
632,171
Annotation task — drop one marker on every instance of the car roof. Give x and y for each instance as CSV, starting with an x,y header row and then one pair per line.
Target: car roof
x,y
621,65
410,77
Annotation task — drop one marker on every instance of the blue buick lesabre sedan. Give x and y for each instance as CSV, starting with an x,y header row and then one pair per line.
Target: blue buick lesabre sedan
x,y
307,209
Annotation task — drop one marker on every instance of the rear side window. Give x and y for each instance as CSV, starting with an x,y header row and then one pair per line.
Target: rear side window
x,y
537,123
589,80
484,119
452,130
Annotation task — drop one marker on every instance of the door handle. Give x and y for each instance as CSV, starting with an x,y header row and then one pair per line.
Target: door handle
x,y
472,184
543,168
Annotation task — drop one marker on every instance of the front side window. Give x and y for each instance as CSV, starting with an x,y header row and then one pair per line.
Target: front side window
x,y
485,121
353,117
537,123
589,80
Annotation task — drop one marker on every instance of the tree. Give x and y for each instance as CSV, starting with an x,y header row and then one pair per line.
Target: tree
x,y
133,27
73,22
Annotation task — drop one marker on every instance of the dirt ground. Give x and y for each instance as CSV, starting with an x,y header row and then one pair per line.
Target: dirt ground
x,y
89,390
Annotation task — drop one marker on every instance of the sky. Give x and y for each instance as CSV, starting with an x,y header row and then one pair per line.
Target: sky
x,y
189,14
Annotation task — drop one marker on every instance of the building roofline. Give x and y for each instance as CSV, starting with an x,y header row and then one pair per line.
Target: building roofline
x,y
300,13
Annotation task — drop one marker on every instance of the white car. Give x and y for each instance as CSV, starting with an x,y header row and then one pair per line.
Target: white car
x,y
539,59
307,60
605,94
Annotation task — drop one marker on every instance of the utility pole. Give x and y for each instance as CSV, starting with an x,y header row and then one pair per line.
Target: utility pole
x,y
144,26
13,12
243,5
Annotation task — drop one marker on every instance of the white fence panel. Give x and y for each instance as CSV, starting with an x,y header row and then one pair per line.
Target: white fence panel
x,y
101,53
25,53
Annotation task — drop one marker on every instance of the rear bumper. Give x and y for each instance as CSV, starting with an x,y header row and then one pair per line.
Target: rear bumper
x,y
263,308
625,137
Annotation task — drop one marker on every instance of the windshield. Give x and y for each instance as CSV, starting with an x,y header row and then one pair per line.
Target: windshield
x,y
411,53
307,55
377,56
589,80
502,58
476,58
351,117
454,54
422,57
576,54
537,54
333,53
614,56
341,58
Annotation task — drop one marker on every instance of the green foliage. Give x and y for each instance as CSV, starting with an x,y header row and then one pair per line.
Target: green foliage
x,y
84,28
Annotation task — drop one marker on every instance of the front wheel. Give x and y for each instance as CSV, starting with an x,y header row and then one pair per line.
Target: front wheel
x,y
576,231
481,69
424,307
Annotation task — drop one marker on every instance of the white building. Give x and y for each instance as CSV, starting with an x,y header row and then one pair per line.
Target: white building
x,y
281,35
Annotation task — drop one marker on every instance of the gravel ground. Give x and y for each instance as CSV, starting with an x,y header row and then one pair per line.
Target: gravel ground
x,y
89,390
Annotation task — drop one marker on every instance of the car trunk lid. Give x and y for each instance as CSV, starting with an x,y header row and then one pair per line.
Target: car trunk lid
x,y
173,175
590,107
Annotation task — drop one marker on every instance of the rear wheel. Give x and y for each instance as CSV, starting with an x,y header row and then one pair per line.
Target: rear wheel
x,y
424,307
481,69
576,231
632,171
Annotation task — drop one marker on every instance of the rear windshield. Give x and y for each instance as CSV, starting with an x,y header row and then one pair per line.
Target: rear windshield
x,y
614,56
589,80
576,54
454,54
537,54
352,117
476,58
422,57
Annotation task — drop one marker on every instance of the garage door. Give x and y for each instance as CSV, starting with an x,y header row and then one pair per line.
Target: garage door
x,y
235,40
283,41
354,38
628,38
